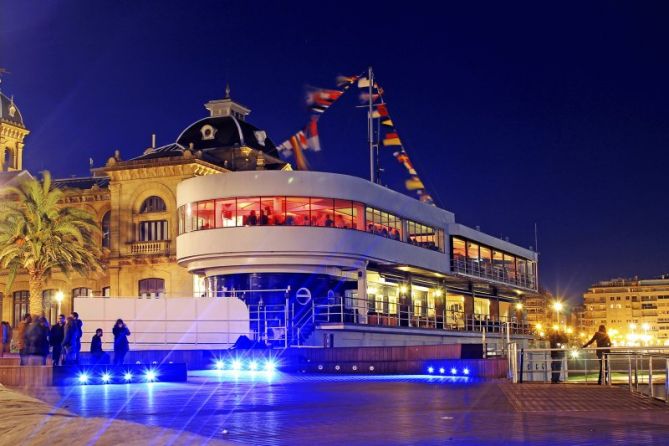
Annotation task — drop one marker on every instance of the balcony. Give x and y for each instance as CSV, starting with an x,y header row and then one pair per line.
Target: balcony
x,y
155,247
474,269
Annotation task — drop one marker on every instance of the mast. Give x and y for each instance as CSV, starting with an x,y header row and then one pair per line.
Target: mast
x,y
370,127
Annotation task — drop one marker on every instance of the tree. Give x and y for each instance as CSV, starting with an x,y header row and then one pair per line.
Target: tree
x,y
41,235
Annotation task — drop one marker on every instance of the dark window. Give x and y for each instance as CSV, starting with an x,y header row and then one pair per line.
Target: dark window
x,y
106,291
105,230
151,287
153,204
81,292
153,230
21,299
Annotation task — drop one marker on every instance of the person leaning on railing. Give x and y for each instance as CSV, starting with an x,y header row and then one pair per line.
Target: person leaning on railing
x,y
603,343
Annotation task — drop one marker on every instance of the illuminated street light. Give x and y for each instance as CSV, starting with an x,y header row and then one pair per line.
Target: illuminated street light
x,y
645,326
632,327
519,306
59,298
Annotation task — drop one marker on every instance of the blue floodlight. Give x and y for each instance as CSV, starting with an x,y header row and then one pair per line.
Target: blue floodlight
x,y
83,378
465,371
106,377
127,376
454,371
270,365
150,375
442,370
253,365
220,365
236,364
430,370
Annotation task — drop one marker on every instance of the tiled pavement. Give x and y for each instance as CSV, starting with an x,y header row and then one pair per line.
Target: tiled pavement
x,y
319,410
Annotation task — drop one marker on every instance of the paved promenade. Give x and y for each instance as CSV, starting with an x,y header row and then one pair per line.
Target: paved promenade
x,y
307,410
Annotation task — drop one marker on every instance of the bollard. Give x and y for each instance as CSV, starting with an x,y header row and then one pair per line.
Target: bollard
x,y
629,372
607,376
636,372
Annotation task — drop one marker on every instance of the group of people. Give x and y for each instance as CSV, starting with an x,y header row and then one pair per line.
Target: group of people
x,y
36,338
558,341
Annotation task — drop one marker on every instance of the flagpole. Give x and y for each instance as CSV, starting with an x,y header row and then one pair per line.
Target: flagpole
x,y
370,127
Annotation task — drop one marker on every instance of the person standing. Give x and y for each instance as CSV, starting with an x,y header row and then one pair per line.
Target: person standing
x,y
35,338
558,342
6,338
56,339
69,341
43,342
97,354
603,343
21,337
121,345
76,346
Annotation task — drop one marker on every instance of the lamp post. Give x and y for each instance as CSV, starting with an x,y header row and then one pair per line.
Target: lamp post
x,y
557,306
59,298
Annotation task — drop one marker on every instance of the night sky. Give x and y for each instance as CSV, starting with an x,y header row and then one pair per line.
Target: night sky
x,y
512,113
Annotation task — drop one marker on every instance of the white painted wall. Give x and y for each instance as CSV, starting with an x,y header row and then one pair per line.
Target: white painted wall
x,y
165,323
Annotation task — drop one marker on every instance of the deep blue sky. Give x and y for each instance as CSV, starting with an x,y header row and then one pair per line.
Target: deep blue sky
x,y
514,113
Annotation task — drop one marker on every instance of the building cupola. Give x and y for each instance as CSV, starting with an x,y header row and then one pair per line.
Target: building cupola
x,y
227,107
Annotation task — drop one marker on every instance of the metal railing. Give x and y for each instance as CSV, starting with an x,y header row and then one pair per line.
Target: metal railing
x,y
371,312
641,369
490,272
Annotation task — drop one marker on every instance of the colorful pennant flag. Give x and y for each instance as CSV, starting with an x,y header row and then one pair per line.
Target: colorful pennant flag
x,y
392,139
313,140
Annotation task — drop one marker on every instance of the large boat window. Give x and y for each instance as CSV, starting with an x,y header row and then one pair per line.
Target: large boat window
x,y
471,258
306,211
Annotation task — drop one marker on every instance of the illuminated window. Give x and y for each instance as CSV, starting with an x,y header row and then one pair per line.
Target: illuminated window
x,y
459,250
50,304
248,211
226,213
343,214
297,211
272,211
153,204
322,212
205,215
153,231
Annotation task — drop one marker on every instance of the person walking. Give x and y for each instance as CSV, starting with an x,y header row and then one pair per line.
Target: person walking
x,y
6,338
21,337
76,346
558,341
56,335
69,341
121,345
34,340
603,343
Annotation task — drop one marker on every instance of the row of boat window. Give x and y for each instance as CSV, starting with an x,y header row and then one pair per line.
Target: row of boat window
x,y
306,211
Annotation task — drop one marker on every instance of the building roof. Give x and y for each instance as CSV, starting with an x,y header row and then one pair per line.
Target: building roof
x,y
9,112
81,182
226,132
13,177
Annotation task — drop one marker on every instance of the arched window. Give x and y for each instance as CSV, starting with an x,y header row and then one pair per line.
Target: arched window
x,y
8,161
153,204
106,240
82,292
152,287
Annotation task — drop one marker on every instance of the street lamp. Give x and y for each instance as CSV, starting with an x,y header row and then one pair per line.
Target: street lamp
x,y
557,306
59,298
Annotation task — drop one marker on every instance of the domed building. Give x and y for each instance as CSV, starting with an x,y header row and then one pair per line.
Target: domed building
x,y
12,133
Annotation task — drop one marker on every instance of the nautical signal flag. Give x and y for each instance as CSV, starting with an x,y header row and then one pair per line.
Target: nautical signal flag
x,y
321,99
298,141
381,111
392,139
414,183
346,81
313,141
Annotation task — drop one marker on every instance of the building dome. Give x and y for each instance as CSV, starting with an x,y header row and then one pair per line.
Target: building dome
x,y
223,132
9,112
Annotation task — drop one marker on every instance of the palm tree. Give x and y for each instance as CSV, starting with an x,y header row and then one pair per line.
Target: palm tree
x,y
40,235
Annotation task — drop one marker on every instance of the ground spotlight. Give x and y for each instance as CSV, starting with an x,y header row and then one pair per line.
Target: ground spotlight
x,y
430,370
127,376
150,375
465,371
442,370
83,378
253,365
270,365
220,365
236,364
454,371
106,377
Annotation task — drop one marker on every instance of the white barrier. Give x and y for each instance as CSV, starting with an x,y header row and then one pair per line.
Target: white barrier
x,y
166,323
